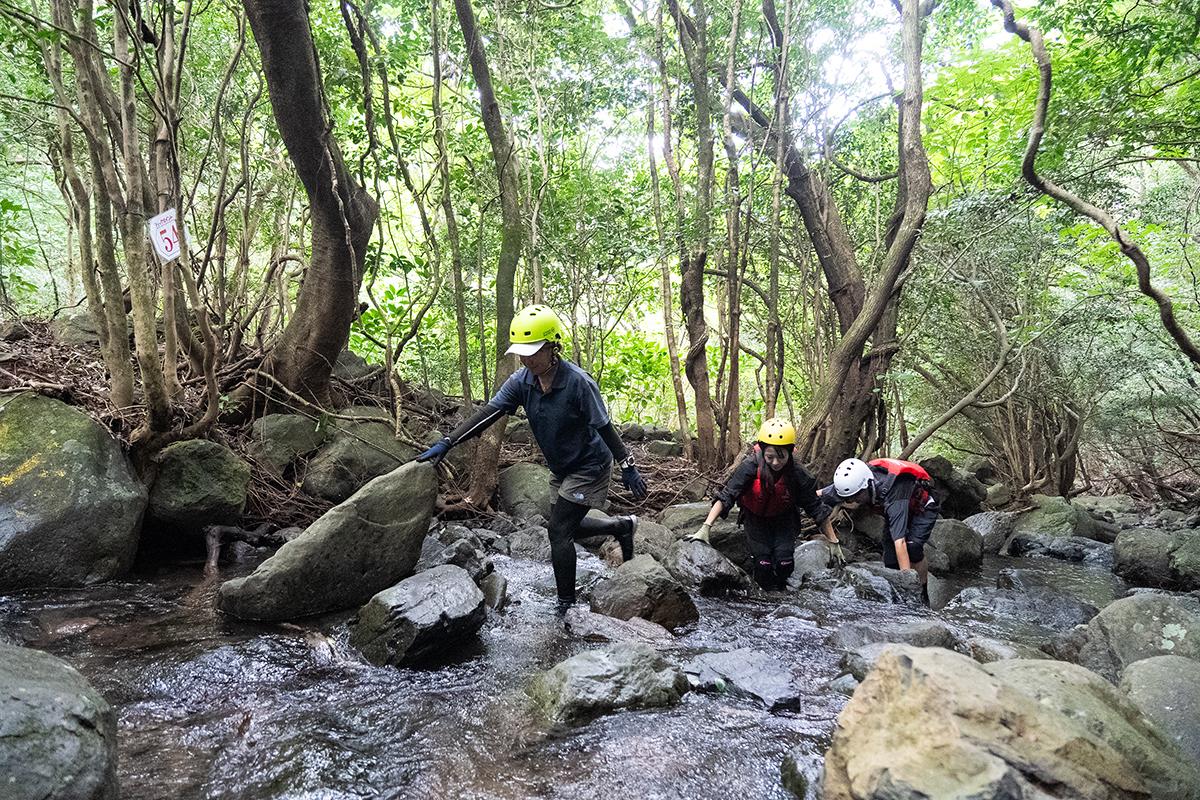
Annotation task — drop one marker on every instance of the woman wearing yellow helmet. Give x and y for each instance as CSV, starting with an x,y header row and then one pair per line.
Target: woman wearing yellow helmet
x,y
571,426
771,489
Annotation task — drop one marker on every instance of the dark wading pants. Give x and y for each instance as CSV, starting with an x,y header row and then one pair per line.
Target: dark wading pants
x,y
772,543
568,523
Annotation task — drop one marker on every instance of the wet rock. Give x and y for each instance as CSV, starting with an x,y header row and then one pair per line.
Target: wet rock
x,y
524,490
958,542
685,519
1158,558
1134,628
921,633
420,617
844,685
352,551
463,553
746,673
881,584
812,559
531,543
199,483
1033,605
801,770
932,723
643,588
601,628
1119,509
358,450
1064,548
859,661
595,682
1167,690
1054,516
495,590
58,736
994,527
654,539
279,439
985,650
699,566
1169,519
72,506
664,449
959,493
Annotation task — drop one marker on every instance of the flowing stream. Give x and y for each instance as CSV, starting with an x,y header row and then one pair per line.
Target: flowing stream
x,y
213,708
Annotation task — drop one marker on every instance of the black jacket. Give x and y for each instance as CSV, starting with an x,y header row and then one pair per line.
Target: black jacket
x,y
801,486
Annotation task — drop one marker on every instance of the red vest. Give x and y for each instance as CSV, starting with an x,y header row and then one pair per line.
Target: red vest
x,y
756,500
920,496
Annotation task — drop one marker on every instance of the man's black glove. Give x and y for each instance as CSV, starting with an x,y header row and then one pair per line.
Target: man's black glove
x,y
633,481
436,453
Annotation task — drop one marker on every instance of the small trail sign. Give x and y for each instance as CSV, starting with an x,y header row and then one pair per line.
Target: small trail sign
x,y
166,235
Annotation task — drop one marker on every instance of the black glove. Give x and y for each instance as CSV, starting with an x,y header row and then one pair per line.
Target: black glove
x,y
436,453
633,482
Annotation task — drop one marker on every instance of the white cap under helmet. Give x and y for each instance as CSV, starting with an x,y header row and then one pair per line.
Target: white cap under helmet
x,y
851,477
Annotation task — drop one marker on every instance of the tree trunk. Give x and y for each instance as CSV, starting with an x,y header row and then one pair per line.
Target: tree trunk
x,y
342,212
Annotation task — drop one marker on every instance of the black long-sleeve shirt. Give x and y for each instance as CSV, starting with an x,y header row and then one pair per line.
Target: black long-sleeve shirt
x,y
802,488
893,495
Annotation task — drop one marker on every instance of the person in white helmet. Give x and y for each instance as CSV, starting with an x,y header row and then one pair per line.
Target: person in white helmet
x,y
898,490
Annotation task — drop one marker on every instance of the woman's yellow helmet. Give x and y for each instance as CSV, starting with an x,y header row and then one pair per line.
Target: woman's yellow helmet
x,y
777,431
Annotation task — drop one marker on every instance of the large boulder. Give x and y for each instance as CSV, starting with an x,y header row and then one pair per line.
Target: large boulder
x,y
986,650
746,673
350,366
595,682
953,547
524,490
993,527
1119,509
700,566
1167,559
933,723
279,439
532,542
1041,606
1064,548
199,483
921,633
354,550
810,559
643,588
1167,690
685,519
420,617
881,584
1054,516
75,326
72,506
584,624
664,449
959,493
998,495
1134,628
58,736
359,449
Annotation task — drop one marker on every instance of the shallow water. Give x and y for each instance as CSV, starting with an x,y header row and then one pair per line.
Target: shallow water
x,y
213,708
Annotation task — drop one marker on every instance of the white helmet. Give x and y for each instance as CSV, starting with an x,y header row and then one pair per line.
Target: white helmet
x,y
851,477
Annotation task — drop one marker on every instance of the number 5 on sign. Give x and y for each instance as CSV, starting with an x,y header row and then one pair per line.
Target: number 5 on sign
x,y
166,235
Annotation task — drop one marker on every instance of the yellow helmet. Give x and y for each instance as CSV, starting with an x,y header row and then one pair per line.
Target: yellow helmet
x,y
777,431
532,327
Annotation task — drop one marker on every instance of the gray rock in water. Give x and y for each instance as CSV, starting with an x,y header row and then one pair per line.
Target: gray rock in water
x,y
920,633
595,682
1131,629
531,542
801,769
961,545
844,684
495,590
685,519
1116,508
1064,548
746,673
199,483
279,439
1054,516
699,566
72,506
877,582
358,450
1035,605
58,736
601,628
985,650
1167,690
420,617
859,661
811,559
994,527
524,490
1158,558
643,588
352,551
462,553
1010,729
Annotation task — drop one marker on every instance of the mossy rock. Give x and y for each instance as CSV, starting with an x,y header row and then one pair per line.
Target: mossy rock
x,y
199,483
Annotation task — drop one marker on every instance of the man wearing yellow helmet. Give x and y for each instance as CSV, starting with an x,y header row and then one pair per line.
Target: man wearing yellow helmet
x,y
571,426
770,488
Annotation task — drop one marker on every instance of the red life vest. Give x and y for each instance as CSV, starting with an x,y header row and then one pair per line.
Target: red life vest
x,y
920,496
756,500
